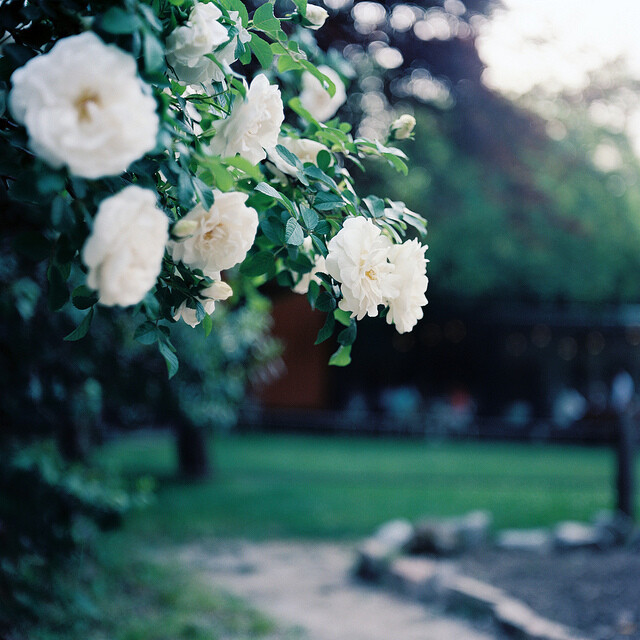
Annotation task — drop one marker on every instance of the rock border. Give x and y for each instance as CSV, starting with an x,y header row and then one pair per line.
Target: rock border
x,y
436,581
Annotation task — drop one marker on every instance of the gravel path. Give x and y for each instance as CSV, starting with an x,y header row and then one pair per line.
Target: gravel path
x,y
595,591
308,585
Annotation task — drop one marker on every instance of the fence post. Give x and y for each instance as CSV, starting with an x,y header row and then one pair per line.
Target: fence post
x,y
625,450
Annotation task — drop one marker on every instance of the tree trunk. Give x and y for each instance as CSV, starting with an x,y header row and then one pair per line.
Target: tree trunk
x,y
193,457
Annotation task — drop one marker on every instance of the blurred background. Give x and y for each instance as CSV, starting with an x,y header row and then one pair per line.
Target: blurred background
x,y
524,166
516,394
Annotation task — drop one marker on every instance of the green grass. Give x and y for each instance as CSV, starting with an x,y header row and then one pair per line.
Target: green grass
x,y
284,486
128,590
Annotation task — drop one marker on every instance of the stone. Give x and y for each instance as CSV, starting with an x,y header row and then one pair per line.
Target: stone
x,y
577,535
395,534
450,536
414,577
473,595
474,529
373,559
533,540
615,525
520,620
438,537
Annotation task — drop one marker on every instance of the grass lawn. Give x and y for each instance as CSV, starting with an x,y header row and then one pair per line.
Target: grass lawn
x,y
330,487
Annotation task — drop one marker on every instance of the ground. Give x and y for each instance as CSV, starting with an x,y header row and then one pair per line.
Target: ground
x,y
595,591
309,586
161,577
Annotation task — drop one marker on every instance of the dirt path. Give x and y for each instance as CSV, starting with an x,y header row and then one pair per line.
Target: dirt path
x,y
308,585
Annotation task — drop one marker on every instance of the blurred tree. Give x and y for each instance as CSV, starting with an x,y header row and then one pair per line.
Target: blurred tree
x,y
534,200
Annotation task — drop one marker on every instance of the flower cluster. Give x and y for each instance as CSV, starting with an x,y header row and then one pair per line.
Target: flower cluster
x,y
372,271
165,175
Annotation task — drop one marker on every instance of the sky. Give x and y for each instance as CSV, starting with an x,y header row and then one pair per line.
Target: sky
x,y
557,42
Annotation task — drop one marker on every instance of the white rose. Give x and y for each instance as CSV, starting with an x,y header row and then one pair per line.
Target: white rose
x,y
84,106
316,16
208,298
125,249
358,259
188,44
316,99
254,123
319,266
306,150
405,309
403,127
223,234
227,55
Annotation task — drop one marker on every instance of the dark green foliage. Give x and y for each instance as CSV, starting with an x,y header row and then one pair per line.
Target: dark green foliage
x,y
544,225
47,509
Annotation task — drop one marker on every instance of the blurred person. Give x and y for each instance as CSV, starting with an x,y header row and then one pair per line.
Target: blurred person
x,y
622,391
568,407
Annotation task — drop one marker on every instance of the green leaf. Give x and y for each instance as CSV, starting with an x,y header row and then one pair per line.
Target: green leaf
x,y
83,297
343,317
200,312
264,20
296,106
318,242
293,233
326,82
261,50
153,53
301,6
288,156
322,228
207,325
244,165
287,63
185,189
58,292
348,336
273,229
221,176
239,6
324,159
327,329
258,264
150,16
146,333
342,357
325,201
118,21
325,302
51,182
204,192
268,190
310,217
168,353
82,329
375,206
313,293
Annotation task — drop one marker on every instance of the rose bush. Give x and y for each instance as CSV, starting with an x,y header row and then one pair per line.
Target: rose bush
x,y
253,125
216,122
222,236
317,99
84,106
125,249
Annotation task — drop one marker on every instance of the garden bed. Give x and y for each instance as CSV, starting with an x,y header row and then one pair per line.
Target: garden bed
x,y
597,592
